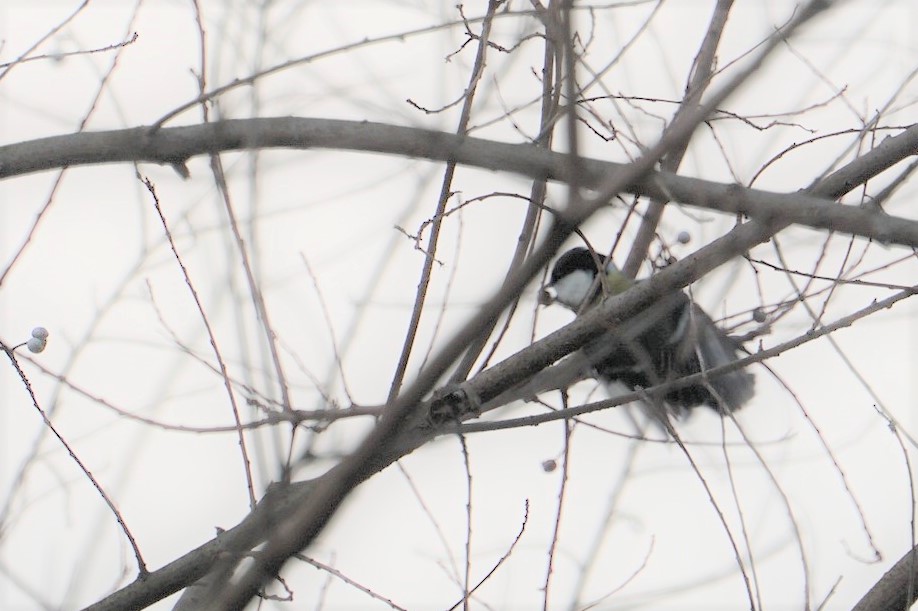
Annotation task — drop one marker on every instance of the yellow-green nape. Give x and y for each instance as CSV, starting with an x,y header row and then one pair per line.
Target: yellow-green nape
x,y
617,282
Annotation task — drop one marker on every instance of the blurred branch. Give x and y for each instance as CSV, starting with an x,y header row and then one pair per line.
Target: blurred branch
x,y
896,590
467,98
550,107
700,78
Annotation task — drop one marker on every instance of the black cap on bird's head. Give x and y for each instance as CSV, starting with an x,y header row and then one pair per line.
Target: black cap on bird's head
x,y
576,259
573,279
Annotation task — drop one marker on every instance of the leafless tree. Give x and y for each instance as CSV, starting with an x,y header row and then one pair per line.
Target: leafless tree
x,y
288,256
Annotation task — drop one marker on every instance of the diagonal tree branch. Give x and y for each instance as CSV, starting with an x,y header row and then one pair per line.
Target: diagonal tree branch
x,y
702,69
896,590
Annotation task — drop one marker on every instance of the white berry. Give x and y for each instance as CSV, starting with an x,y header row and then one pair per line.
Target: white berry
x,y
36,344
40,333
684,237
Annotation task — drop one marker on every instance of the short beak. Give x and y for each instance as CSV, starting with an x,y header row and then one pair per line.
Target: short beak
x,y
547,295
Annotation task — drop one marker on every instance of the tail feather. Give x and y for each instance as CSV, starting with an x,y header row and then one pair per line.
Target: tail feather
x,y
714,348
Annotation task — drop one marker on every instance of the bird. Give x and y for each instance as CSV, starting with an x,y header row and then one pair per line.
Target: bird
x,y
668,340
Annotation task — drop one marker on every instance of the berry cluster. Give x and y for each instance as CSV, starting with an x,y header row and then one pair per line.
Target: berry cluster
x,y
39,339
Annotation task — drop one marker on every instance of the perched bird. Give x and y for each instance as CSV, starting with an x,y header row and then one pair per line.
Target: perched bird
x,y
667,341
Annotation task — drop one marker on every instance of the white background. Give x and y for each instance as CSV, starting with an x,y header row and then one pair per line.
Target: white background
x,y
99,275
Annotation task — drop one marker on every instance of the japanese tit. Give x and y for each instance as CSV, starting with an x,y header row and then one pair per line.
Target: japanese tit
x,y
668,340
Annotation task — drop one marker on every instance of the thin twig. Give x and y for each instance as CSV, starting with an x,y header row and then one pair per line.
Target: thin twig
x,y
141,565
467,574
502,559
246,463
336,573
445,192
699,79
550,104
556,532
47,36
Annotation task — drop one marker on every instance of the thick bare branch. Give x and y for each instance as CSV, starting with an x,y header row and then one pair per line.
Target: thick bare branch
x,y
896,590
177,144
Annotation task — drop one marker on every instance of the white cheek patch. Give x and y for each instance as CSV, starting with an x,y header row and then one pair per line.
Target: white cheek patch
x,y
572,289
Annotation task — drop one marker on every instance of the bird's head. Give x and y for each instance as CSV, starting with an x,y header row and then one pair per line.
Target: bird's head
x,y
573,280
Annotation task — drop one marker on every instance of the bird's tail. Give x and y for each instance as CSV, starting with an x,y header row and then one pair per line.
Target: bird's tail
x,y
714,348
